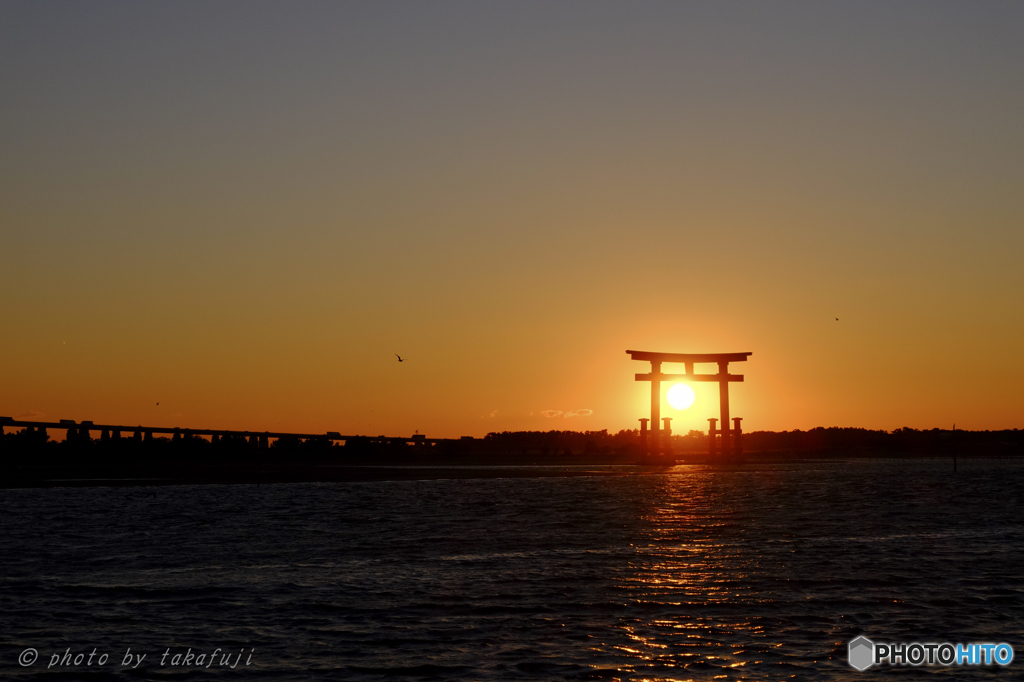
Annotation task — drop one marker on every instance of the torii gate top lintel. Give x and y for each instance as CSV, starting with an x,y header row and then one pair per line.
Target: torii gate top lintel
x,y
687,358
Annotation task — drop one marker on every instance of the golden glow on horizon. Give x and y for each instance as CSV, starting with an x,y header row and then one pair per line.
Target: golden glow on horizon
x,y
681,396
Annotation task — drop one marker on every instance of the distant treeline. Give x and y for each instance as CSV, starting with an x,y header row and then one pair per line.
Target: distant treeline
x,y
901,442
33,447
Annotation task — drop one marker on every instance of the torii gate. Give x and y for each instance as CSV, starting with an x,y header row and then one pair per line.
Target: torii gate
x,y
729,446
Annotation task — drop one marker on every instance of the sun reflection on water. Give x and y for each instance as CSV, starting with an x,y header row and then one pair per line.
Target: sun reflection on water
x,y
697,584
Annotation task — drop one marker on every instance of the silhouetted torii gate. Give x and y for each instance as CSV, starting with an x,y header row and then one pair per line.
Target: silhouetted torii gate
x,y
729,446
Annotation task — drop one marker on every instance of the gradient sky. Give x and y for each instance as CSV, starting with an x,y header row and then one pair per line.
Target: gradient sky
x,y
242,210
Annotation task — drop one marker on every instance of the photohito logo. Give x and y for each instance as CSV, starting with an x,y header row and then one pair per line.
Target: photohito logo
x,y
863,653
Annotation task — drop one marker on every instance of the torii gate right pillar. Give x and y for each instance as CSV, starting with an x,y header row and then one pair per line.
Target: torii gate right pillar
x,y
723,403
654,437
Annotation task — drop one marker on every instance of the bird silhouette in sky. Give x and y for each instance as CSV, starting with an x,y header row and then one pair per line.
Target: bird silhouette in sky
x,y
837,319
399,357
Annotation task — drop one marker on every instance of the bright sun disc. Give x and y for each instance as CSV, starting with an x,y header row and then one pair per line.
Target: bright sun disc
x,y
681,396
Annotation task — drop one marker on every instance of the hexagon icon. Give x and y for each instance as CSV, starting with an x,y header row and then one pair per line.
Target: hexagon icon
x,y
862,653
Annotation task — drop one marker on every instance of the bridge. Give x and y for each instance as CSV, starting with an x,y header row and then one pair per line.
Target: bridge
x,y
260,439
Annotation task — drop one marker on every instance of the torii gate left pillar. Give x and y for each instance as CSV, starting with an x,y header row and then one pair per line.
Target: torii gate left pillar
x,y
723,378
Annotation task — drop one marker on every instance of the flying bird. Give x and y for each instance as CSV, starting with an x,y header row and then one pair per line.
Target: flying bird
x,y
399,357
837,319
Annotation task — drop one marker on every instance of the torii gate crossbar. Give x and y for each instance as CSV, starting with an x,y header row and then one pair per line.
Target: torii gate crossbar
x,y
729,445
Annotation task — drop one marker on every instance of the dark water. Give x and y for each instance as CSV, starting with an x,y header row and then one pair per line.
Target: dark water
x,y
760,573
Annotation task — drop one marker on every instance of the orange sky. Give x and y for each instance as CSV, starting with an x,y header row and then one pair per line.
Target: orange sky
x,y
244,215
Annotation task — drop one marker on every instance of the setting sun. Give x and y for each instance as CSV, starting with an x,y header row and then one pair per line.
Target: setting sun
x,y
681,396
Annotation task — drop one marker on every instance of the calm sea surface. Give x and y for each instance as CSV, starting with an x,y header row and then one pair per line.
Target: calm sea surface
x,y
754,573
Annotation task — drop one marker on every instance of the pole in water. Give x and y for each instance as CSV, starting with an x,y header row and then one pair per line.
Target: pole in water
x,y
954,448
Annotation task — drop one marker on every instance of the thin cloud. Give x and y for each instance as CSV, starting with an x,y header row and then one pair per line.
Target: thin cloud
x,y
551,413
31,414
579,413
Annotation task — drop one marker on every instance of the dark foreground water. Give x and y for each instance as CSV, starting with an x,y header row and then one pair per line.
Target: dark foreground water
x,y
754,573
